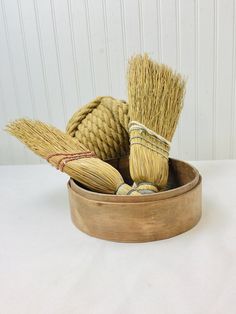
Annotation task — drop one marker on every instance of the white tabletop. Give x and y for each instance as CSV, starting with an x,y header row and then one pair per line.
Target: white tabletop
x,y
48,266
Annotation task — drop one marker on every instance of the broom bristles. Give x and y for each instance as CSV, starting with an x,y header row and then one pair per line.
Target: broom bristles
x,y
56,147
155,97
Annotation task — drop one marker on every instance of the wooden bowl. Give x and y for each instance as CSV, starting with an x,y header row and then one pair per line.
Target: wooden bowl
x,y
139,218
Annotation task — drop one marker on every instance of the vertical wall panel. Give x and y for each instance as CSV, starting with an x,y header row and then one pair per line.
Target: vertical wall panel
x,y
82,45
116,47
99,49
8,96
23,104
150,34
66,62
170,50
33,65
233,91
45,12
57,55
133,27
206,78
188,28
223,97
169,38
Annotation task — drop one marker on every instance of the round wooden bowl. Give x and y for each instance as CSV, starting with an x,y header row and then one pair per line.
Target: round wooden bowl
x,y
139,218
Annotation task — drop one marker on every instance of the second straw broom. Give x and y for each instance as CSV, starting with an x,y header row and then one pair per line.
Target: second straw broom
x,y
155,96
69,156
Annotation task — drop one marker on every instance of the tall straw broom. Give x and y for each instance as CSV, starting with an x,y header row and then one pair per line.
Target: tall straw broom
x,y
155,97
69,156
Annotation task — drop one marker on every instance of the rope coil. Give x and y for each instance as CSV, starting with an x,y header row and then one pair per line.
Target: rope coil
x,y
102,126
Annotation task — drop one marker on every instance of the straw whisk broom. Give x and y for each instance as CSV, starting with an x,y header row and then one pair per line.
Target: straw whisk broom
x,y
155,97
69,156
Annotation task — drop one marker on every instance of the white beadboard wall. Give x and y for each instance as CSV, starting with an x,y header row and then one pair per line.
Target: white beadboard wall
x,y
57,55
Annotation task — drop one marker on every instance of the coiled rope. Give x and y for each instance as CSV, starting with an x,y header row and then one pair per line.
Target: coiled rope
x,y
102,126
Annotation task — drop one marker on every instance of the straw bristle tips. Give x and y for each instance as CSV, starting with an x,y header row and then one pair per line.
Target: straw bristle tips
x,y
155,95
56,147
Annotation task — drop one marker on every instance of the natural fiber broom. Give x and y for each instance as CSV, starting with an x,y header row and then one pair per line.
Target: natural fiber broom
x,y
155,96
69,156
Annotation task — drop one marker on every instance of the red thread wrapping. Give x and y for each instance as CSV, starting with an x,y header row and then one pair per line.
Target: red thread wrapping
x,y
67,157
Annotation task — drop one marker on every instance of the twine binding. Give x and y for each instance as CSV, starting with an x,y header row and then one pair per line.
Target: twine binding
x,y
144,187
132,190
154,146
67,157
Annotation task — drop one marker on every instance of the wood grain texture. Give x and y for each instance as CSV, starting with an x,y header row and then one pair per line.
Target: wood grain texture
x,y
140,218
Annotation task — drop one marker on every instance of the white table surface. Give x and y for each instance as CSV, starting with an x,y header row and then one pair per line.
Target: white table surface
x,y
48,266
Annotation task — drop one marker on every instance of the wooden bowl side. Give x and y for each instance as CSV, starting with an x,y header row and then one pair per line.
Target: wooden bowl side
x,y
182,176
134,221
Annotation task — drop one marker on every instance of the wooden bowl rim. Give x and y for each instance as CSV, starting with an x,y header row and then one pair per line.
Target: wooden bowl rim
x,y
137,198
134,200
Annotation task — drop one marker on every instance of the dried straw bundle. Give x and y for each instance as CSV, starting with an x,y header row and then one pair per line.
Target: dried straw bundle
x,y
69,156
155,96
